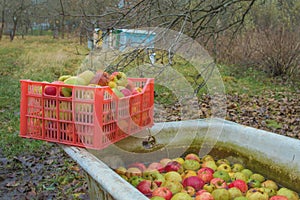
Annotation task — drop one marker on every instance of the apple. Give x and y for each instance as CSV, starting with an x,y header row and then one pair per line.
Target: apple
x,y
208,158
179,159
50,90
240,184
239,176
192,156
224,167
139,165
154,175
165,161
204,196
209,187
181,196
221,194
121,170
163,192
291,195
126,92
173,176
278,197
270,184
135,180
218,183
271,192
173,166
174,186
234,192
252,183
101,78
237,167
221,161
156,166
146,187
247,172
157,198
223,175
241,198
206,175
211,164
189,190
188,173
133,171
191,165
257,194
258,177
206,169
193,181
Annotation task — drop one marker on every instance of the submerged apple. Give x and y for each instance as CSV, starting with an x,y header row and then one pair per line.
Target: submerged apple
x,y
193,181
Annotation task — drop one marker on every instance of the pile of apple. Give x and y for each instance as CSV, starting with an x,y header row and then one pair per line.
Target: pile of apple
x,y
194,178
117,81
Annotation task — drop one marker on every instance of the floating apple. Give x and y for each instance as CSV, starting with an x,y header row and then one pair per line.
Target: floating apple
x,y
173,176
291,195
240,184
278,197
237,167
258,177
173,166
257,194
191,165
188,173
139,165
135,180
157,198
192,156
218,183
193,181
156,166
239,176
181,196
234,192
133,171
270,184
211,164
221,194
163,192
204,196
223,175
222,161
146,187
174,186
205,174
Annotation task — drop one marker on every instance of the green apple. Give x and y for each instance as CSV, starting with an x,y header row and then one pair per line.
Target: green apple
x,y
135,180
223,175
237,167
207,158
117,92
157,198
191,165
252,183
87,76
209,187
224,167
270,184
234,192
73,80
239,176
174,186
221,161
211,164
173,176
221,194
257,194
258,177
271,192
240,198
64,77
181,196
291,195
247,172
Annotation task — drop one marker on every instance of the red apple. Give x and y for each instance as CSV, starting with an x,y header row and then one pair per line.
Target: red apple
x,y
162,192
156,166
192,156
50,90
204,196
193,181
218,183
240,184
206,169
205,175
146,187
165,161
278,197
173,166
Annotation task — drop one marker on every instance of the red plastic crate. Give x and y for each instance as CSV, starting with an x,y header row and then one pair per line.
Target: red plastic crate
x,y
93,117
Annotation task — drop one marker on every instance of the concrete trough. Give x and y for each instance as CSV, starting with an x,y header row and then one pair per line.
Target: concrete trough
x,y
275,156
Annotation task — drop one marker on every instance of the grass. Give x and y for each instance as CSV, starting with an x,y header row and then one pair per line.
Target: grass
x,y
42,58
35,58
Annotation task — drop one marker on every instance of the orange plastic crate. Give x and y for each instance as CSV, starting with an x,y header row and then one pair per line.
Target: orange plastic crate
x,y
93,117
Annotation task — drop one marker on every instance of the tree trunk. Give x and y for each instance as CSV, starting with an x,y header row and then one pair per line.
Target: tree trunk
x,y
2,24
13,31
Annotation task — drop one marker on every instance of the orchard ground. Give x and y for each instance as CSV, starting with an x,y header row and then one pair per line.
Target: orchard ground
x,y
32,169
